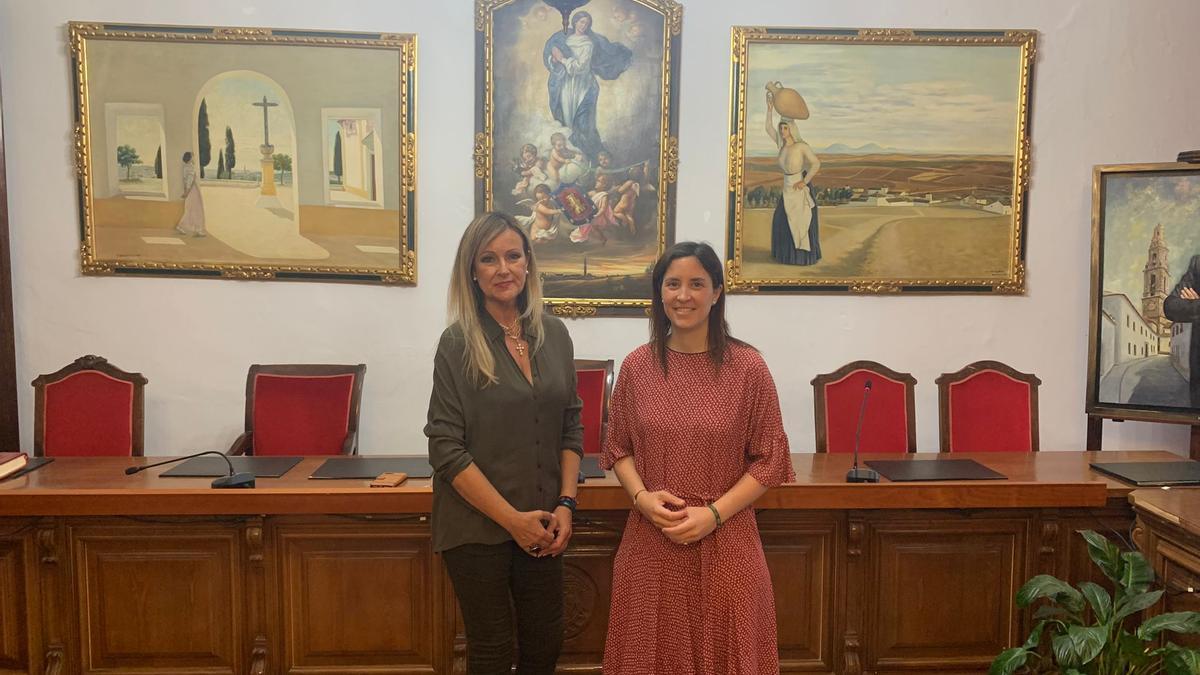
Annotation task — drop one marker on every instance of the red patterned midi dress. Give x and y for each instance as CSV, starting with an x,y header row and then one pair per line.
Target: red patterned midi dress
x,y
707,608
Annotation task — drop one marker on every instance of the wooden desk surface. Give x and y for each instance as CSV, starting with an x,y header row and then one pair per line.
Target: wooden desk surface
x,y
99,486
1178,505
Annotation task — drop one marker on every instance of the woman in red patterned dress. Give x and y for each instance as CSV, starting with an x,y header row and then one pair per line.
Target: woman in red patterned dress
x,y
695,436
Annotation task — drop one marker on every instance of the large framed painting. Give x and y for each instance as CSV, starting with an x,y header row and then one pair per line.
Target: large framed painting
x,y
246,153
576,136
878,161
1143,349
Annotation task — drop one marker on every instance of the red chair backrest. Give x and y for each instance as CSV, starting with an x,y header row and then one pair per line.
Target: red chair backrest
x,y
885,426
88,414
589,384
990,411
301,414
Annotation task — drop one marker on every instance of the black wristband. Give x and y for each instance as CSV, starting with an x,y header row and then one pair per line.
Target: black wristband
x,y
568,502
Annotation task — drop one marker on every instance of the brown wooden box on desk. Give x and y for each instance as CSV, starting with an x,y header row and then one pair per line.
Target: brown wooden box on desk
x,y
287,577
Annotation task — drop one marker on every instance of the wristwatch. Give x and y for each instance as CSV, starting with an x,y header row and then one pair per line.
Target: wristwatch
x,y
568,502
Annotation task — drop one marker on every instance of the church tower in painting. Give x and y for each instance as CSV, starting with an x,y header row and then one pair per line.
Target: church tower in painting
x,y
1156,283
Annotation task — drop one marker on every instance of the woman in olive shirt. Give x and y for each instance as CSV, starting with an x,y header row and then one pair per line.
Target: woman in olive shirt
x,y
505,441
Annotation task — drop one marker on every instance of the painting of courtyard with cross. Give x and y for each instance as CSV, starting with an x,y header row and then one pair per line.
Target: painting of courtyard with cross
x,y
250,160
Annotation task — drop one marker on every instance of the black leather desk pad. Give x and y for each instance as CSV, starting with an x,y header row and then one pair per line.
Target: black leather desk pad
x,y
590,467
933,469
210,466
370,467
1149,474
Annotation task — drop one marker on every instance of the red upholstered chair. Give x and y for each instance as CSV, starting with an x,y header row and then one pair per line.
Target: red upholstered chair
x,y
301,409
890,421
89,408
988,407
593,382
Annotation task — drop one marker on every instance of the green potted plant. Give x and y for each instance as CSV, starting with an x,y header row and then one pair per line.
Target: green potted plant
x,y
1109,640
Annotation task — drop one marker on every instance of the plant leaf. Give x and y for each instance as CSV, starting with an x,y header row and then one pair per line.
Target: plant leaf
x,y
1176,622
1104,553
1046,586
1009,661
1050,612
1099,599
1132,604
1136,573
1132,649
1079,645
1180,661
1035,636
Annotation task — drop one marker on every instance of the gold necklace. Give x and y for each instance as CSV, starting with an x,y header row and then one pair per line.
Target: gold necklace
x,y
513,332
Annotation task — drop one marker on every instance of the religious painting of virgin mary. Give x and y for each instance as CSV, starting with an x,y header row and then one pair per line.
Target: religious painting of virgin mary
x,y
246,153
576,137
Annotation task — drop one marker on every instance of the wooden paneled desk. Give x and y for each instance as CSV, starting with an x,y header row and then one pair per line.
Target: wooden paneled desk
x,y
100,571
1168,533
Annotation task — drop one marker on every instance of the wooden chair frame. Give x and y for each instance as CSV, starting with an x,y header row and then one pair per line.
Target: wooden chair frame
x,y
820,381
83,364
945,380
244,444
607,366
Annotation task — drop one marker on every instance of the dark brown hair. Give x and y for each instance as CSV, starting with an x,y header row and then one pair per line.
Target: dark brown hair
x,y
660,325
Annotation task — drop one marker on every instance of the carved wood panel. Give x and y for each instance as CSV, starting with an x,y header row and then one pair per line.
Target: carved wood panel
x,y
587,590
356,596
158,597
14,606
802,557
940,592
1180,571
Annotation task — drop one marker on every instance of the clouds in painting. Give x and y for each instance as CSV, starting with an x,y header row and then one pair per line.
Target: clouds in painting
x,y
916,99
1133,205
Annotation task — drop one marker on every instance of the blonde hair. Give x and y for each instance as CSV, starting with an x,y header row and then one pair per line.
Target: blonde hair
x,y
466,298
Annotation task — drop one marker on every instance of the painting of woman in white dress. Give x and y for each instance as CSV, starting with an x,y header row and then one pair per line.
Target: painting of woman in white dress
x,y
795,234
567,90
192,222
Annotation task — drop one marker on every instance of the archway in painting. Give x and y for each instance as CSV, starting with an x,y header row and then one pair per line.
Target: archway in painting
x,y
246,122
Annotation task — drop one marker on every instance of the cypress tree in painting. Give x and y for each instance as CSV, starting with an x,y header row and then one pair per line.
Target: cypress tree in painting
x,y
337,156
202,135
230,153
158,163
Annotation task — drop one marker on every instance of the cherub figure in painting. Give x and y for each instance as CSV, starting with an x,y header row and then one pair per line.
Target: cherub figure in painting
x,y
543,218
575,59
531,168
625,212
602,196
563,164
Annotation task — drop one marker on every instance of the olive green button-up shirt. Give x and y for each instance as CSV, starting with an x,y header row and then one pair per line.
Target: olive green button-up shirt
x,y
513,431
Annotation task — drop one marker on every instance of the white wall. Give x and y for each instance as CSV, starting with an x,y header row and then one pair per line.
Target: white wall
x,y
1113,84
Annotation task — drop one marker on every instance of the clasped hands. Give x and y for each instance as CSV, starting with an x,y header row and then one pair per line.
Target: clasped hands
x,y
541,533
683,526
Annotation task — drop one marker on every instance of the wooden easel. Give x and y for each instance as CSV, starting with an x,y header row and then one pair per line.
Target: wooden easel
x,y
1095,434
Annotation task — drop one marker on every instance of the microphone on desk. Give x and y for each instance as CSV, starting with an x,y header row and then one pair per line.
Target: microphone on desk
x,y
241,479
857,475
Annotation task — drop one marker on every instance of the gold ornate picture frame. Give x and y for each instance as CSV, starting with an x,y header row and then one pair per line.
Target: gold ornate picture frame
x,y
1143,348
576,135
878,160
246,153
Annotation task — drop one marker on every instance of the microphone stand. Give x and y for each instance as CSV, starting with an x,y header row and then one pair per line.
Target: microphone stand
x,y
857,475
242,479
